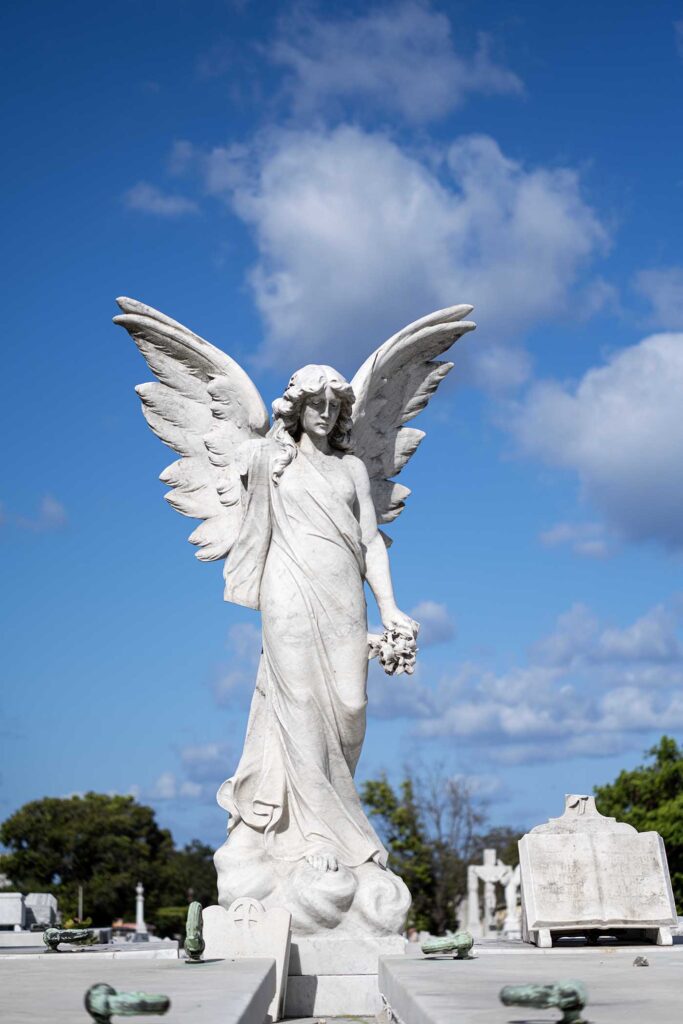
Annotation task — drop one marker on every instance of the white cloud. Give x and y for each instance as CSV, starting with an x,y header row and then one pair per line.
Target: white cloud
x,y
678,32
51,515
621,430
436,624
234,688
590,688
207,762
580,639
357,237
203,767
150,199
587,539
663,288
396,59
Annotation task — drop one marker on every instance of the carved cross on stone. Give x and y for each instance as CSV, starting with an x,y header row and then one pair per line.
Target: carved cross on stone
x,y
246,912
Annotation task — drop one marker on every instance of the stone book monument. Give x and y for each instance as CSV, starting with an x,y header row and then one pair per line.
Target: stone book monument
x,y
293,508
585,874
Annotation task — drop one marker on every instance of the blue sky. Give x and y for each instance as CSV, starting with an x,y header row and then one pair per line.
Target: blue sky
x,y
298,182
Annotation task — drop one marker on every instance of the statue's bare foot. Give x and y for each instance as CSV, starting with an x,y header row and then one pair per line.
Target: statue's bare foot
x,y
323,859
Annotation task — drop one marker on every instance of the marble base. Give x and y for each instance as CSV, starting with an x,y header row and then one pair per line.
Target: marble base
x,y
337,976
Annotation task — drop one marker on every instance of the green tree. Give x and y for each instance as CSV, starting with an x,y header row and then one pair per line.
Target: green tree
x,y
106,844
430,827
502,839
403,832
186,875
650,798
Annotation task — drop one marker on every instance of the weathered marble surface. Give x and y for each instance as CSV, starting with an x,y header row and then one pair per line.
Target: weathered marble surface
x,y
247,929
12,910
294,511
585,872
41,908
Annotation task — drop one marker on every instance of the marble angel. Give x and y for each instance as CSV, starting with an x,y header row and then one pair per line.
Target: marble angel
x,y
294,509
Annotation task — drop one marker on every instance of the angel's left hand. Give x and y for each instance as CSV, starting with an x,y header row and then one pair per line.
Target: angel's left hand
x,y
396,619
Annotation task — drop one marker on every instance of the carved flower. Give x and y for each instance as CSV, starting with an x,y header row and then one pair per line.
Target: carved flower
x,y
395,649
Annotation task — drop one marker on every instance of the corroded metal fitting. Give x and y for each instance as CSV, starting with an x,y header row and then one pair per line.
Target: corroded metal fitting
x,y
459,944
102,1002
568,996
53,936
194,939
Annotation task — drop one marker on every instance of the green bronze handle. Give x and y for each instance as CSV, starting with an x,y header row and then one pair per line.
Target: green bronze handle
x,y
194,940
102,1002
568,996
459,944
53,936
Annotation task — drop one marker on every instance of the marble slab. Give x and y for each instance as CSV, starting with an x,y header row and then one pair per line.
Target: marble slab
x,y
37,990
585,871
12,910
247,929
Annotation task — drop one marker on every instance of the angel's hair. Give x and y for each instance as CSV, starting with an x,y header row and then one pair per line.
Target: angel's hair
x,y
306,383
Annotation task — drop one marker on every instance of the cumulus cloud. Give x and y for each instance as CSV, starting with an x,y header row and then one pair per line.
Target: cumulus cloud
x,y
51,515
357,237
234,687
663,288
587,539
202,769
436,624
590,688
397,59
207,762
620,429
580,639
150,199
678,35
169,787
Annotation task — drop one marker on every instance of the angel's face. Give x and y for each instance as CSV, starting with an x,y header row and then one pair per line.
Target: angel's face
x,y
320,412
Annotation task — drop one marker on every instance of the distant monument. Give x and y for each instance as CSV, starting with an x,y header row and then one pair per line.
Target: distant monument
x,y
140,926
492,872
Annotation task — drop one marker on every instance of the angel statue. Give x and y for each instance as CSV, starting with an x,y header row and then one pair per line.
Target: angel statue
x,y
293,509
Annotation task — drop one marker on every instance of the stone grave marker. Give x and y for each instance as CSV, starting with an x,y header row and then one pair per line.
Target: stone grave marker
x,y
585,874
247,929
41,909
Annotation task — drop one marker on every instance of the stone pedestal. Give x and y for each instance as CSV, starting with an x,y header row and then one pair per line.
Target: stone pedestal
x,y
337,976
248,930
584,874
12,910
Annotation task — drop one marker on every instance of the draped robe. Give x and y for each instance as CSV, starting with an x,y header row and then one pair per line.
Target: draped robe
x,y
300,559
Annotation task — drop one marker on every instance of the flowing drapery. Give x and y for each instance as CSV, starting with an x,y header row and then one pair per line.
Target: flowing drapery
x,y
299,558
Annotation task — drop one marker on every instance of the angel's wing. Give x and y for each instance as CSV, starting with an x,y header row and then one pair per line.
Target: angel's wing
x,y
392,387
203,407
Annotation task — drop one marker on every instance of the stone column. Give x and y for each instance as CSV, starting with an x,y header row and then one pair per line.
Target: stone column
x,y
140,926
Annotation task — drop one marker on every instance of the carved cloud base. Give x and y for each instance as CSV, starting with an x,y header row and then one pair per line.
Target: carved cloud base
x,y
364,901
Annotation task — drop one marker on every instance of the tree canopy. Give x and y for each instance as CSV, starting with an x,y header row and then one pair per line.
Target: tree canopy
x,y
107,844
650,798
431,826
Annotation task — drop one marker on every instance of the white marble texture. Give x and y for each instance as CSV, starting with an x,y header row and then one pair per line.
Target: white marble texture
x,y
41,908
248,930
586,872
294,511
12,911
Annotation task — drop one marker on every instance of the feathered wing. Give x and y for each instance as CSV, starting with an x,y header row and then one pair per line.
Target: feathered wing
x,y
203,407
392,387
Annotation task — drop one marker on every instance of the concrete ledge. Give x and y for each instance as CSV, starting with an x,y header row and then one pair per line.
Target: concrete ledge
x,y
37,989
447,991
93,953
332,995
